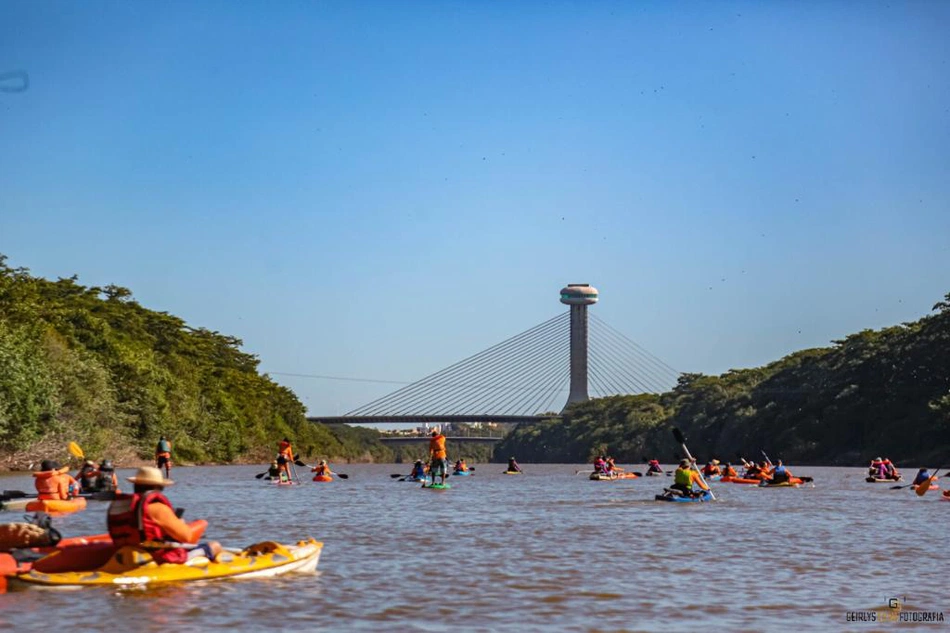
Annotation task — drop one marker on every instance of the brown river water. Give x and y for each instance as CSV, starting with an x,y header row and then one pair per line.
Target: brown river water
x,y
548,551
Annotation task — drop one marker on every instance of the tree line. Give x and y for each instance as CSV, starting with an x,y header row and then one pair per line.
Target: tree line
x,y
873,393
90,364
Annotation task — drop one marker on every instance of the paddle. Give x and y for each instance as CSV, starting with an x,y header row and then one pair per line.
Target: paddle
x,y
910,485
586,472
682,440
398,476
75,450
925,485
12,494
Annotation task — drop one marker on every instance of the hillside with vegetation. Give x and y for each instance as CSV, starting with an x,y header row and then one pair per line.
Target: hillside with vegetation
x,y
874,393
91,365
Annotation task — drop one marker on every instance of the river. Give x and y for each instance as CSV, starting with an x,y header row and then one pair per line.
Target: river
x,y
544,551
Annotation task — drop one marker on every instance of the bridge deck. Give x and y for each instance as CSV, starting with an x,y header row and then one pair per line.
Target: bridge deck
x,y
428,419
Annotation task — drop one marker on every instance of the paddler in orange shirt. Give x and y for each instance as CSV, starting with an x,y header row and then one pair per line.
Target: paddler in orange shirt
x,y
285,457
147,519
52,481
437,456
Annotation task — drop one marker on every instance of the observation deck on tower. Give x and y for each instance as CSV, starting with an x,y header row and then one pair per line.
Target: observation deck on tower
x,y
528,377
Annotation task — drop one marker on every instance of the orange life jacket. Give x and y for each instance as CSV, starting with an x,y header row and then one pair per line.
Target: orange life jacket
x,y
129,524
51,484
437,447
286,450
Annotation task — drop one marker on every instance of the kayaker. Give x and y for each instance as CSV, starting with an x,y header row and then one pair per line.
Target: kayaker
x,y
285,456
87,476
418,470
752,471
513,466
729,471
274,471
106,481
890,470
654,466
147,519
922,475
437,456
461,466
321,469
684,477
711,469
780,474
163,455
52,481
611,466
600,464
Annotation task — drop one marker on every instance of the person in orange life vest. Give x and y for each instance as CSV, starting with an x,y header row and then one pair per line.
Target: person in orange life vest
x,y
285,456
461,466
106,481
711,469
52,481
147,519
600,465
890,469
437,455
321,469
729,471
163,455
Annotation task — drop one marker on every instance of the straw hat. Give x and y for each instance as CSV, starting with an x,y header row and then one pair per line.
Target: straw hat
x,y
150,476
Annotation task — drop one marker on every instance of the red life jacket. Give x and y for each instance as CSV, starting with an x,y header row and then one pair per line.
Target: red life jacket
x,y
129,524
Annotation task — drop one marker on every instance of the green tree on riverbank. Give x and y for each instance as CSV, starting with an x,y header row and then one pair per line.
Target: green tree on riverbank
x,y
874,392
92,365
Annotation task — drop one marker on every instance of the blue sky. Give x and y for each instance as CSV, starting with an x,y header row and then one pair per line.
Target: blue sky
x,y
378,189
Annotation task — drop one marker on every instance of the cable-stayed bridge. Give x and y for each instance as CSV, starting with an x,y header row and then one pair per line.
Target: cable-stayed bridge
x,y
528,377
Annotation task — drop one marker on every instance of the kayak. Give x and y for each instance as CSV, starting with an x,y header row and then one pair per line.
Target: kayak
x,y
513,472
875,480
739,480
16,505
713,478
416,479
322,478
463,473
607,477
706,496
57,506
784,484
132,566
102,495
655,473
437,486
946,495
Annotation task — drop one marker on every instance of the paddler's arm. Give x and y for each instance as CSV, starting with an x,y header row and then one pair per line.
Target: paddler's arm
x,y
174,527
698,480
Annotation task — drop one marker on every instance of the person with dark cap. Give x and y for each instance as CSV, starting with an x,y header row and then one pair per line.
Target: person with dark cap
x,y
87,476
437,456
52,481
106,481
147,519
513,466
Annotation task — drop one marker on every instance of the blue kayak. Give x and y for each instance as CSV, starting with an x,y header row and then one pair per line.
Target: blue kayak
x,y
463,473
707,496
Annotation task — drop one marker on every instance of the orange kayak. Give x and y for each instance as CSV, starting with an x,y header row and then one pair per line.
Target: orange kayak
x,y
946,495
57,506
322,478
739,480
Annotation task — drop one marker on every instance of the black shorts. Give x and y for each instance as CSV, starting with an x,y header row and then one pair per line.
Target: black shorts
x,y
162,460
281,460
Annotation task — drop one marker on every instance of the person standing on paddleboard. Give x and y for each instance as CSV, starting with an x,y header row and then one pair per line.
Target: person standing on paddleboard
x,y
163,455
437,456
285,457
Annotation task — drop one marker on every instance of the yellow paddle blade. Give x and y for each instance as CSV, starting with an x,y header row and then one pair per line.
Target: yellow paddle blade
x,y
75,451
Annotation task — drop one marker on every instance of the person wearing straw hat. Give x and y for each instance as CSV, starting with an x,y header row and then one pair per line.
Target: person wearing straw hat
x,y
147,519
711,469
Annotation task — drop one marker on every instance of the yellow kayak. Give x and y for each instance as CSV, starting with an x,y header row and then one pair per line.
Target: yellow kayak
x,y
132,566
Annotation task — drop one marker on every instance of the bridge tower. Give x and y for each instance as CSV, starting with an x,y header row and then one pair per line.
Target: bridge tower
x,y
578,296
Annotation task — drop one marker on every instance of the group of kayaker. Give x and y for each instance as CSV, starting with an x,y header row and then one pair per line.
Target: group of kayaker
x,y
606,466
99,478
883,469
